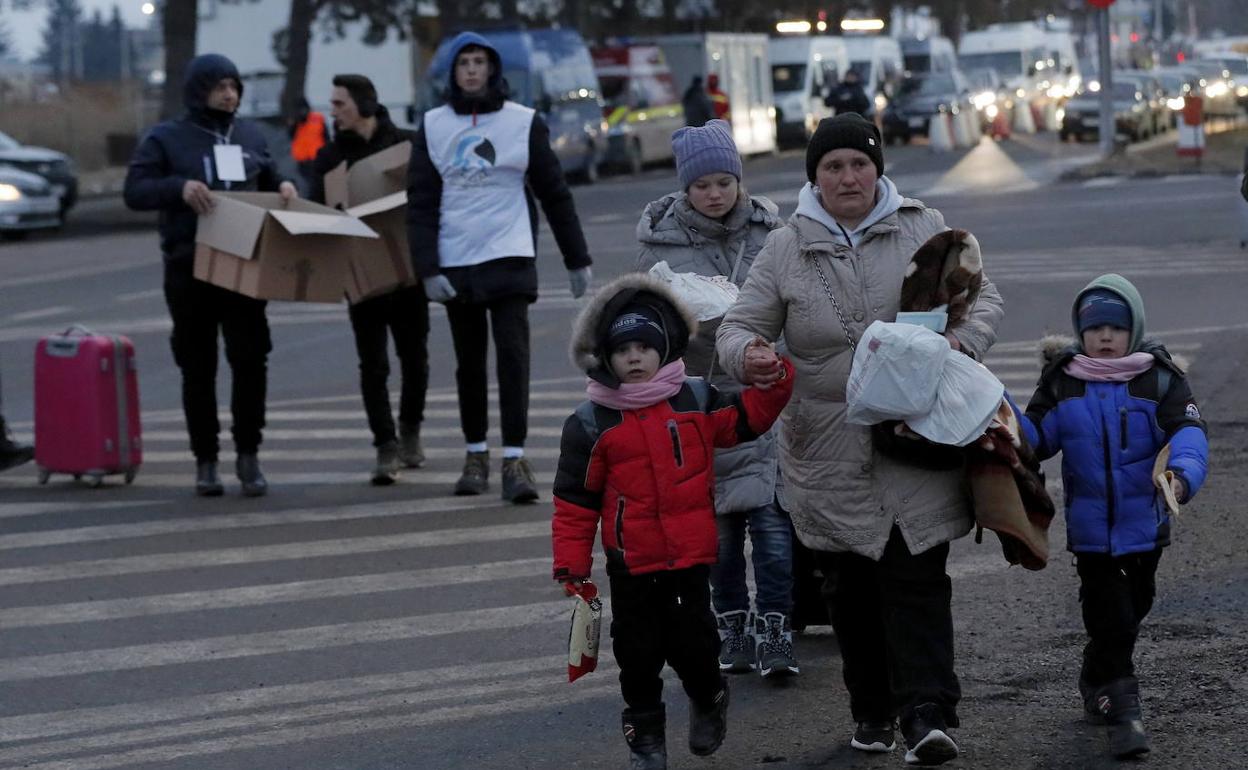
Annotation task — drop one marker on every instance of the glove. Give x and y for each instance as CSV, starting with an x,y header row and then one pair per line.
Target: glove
x,y
579,280
438,288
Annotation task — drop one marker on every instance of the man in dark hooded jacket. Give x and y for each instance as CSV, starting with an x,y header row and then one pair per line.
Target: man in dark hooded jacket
x,y
476,164
174,171
362,128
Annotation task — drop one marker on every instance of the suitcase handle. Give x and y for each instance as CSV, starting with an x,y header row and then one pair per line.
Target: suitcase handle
x,y
84,331
66,345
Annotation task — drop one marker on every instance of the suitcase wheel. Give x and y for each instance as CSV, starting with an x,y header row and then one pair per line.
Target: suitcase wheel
x,y
44,475
77,477
130,474
95,480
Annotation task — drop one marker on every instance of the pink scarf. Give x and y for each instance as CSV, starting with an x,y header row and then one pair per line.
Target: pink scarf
x,y
663,385
1123,369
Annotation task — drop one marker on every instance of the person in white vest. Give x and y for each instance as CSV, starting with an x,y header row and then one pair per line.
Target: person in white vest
x,y
476,165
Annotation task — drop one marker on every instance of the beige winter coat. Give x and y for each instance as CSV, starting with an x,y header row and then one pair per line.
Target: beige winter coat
x,y
672,231
842,494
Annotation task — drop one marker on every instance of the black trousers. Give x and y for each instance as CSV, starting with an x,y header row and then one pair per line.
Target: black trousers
x,y
405,315
664,617
1116,593
894,625
471,325
199,309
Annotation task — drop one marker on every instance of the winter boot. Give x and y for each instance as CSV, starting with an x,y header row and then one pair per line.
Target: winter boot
x,y
12,453
387,470
476,474
708,723
736,653
519,486
773,646
644,732
247,466
207,482
411,453
1119,704
927,738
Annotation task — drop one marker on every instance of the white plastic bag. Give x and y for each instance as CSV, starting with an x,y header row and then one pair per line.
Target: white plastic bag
x,y
708,296
895,373
966,401
583,636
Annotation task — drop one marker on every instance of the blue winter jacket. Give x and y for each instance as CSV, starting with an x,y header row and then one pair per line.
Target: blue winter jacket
x,y
1109,434
176,151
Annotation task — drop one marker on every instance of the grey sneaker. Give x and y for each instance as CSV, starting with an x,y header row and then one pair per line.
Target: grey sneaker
x,y
736,654
247,467
387,470
773,650
411,453
476,474
874,737
519,486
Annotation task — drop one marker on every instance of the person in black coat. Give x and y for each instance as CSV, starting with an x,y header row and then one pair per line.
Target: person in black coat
x,y
849,96
362,128
175,170
697,103
477,164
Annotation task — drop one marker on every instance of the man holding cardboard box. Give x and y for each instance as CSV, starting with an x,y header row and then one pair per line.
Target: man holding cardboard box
x,y
362,128
472,228
175,170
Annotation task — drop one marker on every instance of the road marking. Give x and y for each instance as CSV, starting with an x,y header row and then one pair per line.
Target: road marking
x,y
252,596
362,455
294,550
136,296
19,510
46,312
220,648
277,479
1103,181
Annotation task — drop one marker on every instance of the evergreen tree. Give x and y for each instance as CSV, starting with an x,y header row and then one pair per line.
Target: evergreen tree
x,y
62,39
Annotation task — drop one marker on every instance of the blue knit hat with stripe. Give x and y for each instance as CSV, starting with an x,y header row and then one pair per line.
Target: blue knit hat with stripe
x,y
702,150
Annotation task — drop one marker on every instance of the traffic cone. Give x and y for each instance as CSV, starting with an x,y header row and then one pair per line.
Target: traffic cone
x,y
1024,121
961,132
1000,126
939,135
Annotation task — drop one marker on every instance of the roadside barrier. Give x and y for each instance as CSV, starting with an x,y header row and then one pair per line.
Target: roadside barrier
x,y
1024,121
939,134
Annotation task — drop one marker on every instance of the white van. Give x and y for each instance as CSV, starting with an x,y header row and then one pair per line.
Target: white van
x,y
925,55
803,72
1018,52
877,60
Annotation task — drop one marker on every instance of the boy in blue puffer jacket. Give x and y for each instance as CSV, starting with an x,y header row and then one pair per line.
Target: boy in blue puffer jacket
x,y
1110,403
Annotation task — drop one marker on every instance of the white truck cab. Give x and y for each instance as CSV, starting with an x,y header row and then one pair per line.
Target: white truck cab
x,y
803,71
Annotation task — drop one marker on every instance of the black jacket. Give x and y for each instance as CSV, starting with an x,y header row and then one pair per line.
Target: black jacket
x,y
697,105
506,276
351,147
179,150
849,97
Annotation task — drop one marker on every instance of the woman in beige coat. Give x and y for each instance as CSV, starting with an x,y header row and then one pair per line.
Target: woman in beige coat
x,y
881,525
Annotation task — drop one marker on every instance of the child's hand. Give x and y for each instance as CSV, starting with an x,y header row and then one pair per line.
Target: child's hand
x,y
762,365
572,586
1178,488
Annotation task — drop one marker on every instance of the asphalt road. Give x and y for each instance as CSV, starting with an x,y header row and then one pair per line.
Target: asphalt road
x,y
335,625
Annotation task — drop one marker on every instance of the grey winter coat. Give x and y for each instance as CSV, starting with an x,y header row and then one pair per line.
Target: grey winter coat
x,y
671,230
842,494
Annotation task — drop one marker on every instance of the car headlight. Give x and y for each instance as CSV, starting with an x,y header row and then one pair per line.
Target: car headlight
x,y
992,111
1175,104
9,192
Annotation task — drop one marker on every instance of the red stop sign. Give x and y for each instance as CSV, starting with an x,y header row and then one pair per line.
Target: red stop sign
x,y
1100,3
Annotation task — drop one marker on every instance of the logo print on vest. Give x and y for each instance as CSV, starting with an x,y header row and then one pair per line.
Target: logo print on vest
x,y
474,156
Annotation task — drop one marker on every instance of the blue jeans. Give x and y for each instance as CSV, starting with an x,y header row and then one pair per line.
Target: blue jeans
x,y
772,542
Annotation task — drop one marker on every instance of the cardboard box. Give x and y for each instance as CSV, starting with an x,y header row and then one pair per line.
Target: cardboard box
x,y
374,190
261,246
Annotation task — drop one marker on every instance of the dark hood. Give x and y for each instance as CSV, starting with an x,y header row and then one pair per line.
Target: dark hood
x,y
496,88
202,75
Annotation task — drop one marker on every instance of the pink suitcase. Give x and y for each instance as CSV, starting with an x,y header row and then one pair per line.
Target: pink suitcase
x,y
86,406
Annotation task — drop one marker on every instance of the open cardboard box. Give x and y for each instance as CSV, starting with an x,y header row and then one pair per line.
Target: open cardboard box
x,y
261,246
374,190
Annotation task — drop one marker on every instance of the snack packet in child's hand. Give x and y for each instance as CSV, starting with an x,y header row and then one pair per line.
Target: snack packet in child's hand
x,y
1162,479
584,634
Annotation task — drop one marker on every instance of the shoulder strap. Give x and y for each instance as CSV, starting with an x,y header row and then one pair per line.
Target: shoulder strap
x,y
585,413
701,392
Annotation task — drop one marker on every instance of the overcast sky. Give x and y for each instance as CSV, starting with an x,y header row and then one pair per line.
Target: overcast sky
x,y
26,27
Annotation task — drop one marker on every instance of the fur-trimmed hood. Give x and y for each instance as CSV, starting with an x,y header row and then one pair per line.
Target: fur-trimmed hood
x,y
589,333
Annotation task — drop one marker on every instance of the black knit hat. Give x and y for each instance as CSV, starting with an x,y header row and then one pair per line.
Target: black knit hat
x,y
641,323
362,91
851,130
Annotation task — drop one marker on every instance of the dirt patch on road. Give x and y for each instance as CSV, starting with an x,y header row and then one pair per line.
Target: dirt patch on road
x,y
1224,154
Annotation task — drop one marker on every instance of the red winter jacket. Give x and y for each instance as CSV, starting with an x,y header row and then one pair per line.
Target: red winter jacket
x,y
649,475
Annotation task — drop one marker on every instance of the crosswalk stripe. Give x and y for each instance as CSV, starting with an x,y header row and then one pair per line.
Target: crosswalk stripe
x,y
251,596
363,454
161,562
285,641
279,478
361,434
21,510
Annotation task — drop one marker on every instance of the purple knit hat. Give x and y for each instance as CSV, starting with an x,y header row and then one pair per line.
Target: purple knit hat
x,y
702,150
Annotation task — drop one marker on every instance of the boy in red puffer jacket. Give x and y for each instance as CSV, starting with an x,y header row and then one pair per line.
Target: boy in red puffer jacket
x,y
638,456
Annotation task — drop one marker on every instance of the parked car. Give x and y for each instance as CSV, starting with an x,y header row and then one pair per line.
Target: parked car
x,y
990,96
1237,66
1217,87
55,167
1154,94
1177,83
1082,118
27,202
550,71
918,99
642,104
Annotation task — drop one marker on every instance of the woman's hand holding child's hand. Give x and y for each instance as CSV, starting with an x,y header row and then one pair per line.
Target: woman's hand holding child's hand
x,y
762,365
572,587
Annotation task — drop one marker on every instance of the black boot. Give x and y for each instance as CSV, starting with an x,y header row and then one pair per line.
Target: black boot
x,y
247,466
1119,703
207,482
644,731
708,723
12,453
